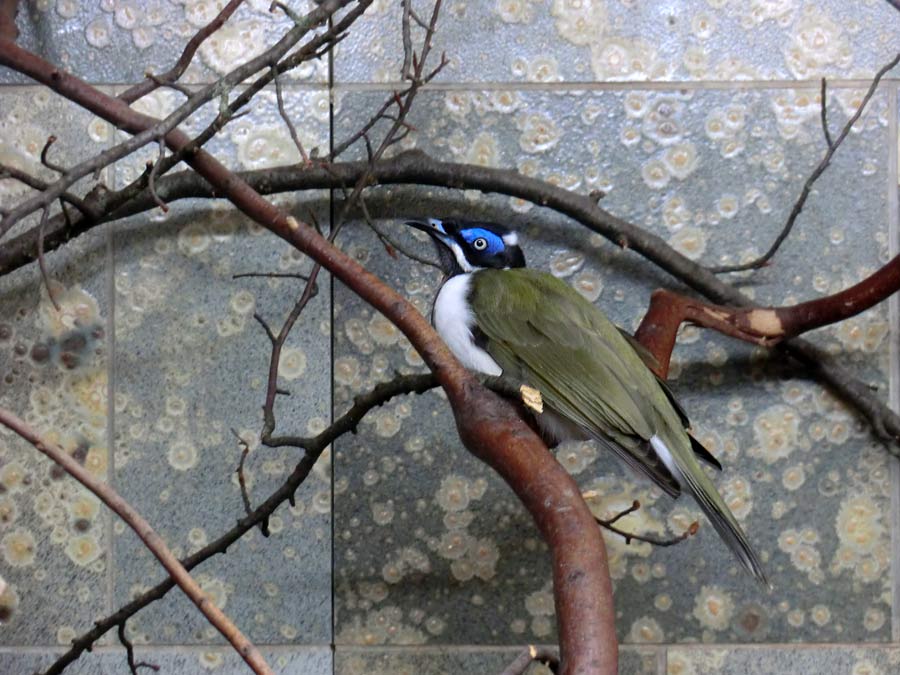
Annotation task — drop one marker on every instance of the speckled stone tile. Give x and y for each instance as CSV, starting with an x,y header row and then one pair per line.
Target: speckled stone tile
x,y
431,547
191,365
779,660
115,41
298,661
53,373
429,661
598,40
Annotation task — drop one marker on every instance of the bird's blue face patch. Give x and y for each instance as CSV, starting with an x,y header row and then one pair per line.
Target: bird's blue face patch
x,y
492,243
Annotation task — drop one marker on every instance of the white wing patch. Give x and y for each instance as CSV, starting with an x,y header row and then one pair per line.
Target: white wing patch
x,y
454,321
666,456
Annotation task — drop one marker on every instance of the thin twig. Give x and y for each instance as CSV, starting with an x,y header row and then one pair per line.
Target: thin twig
x,y
609,524
42,263
314,446
392,246
242,481
813,177
266,327
151,179
8,171
8,28
308,294
45,158
271,275
182,89
405,72
279,96
153,129
823,109
129,653
151,539
187,55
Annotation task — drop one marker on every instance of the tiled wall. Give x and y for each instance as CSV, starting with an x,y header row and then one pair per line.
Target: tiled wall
x,y
700,121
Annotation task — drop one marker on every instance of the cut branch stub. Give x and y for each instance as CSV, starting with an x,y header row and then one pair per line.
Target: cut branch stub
x,y
765,326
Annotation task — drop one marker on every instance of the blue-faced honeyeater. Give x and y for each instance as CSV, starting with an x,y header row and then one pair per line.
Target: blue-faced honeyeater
x,y
501,319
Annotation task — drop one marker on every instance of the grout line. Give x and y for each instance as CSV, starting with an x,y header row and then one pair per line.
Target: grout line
x,y
661,648
894,376
331,211
577,85
110,404
174,648
669,85
662,661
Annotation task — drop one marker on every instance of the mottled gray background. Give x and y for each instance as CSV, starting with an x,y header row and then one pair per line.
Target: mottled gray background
x,y
700,121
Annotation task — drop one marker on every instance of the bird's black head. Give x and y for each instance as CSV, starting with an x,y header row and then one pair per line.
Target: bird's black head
x,y
466,246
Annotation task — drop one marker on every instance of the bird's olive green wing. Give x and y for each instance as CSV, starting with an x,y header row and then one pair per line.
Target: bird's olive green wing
x,y
541,331
650,361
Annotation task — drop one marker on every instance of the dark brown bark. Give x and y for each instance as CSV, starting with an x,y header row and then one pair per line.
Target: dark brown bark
x,y
765,326
487,424
417,168
8,28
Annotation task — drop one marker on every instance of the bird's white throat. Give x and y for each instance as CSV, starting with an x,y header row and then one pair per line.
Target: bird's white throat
x,y
454,321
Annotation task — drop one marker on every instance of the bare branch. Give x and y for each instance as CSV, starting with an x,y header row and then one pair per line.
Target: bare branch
x,y
814,176
314,447
150,130
7,171
823,114
170,77
129,653
287,120
45,159
405,69
8,28
147,535
242,481
43,263
271,275
414,167
151,178
530,655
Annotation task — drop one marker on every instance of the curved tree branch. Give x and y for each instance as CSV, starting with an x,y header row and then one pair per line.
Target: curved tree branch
x,y
765,326
151,540
414,167
489,426
314,447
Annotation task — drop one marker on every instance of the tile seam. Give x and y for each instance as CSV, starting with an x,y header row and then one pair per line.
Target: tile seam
x,y
110,405
670,85
894,376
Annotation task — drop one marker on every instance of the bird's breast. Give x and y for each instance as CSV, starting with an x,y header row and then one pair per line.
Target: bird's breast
x,y
454,321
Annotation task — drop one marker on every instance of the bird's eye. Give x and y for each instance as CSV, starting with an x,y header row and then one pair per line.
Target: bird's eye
x,y
479,244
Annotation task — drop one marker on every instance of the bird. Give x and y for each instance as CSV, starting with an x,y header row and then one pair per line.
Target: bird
x,y
503,319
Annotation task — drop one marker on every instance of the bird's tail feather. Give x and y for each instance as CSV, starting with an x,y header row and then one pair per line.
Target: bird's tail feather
x,y
716,511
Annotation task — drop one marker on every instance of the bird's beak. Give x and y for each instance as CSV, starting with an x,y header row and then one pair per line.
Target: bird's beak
x,y
443,241
432,226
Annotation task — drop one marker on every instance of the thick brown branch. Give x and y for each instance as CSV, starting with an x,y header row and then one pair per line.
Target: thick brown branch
x,y
416,168
765,326
8,29
151,540
488,425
